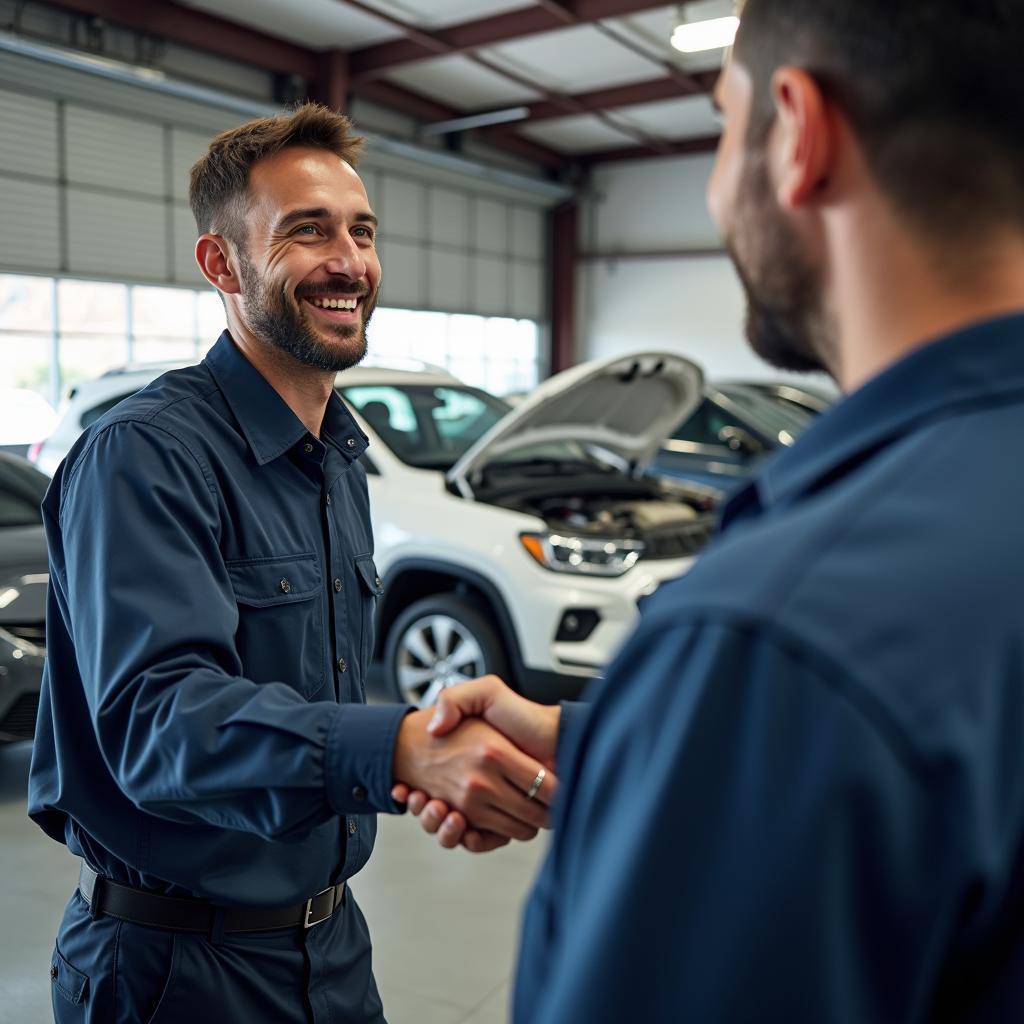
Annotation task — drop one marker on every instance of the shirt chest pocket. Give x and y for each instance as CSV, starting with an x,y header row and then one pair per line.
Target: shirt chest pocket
x,y
370,589
280,636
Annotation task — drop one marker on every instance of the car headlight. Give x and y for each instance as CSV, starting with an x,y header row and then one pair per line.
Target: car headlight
x,y
590,556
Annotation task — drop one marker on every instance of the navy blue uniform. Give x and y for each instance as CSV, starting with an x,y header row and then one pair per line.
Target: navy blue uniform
x,y
799,793
202,727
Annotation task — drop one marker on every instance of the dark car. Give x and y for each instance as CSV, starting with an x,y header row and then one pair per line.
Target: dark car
x,y
802,396
23,579
731,430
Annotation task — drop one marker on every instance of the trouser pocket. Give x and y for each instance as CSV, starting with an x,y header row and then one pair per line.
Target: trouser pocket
x,y
68,987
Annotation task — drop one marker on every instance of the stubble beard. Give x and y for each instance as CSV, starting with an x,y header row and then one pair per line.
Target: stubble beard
x,y
786,323
277,319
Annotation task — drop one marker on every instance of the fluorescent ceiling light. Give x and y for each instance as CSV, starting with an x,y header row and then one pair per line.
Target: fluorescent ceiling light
x,y
693,37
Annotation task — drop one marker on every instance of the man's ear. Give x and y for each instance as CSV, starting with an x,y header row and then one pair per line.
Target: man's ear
x,y
217,263
804,145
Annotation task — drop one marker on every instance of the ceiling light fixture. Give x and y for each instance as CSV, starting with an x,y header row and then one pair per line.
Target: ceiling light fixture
x,y
712,34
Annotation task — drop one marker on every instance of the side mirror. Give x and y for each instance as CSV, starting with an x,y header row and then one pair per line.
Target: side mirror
x,y
736,439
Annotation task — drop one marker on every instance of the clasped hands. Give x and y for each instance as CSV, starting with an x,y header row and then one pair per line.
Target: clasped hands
x,y
466,767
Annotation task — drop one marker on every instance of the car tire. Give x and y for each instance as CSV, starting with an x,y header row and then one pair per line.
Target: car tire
x,y
440,641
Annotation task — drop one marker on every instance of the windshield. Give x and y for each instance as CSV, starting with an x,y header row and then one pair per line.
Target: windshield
x,y
777,419
426,426
22,489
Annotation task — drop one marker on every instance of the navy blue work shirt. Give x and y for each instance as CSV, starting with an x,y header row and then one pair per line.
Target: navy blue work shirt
x,y
799,793
202,725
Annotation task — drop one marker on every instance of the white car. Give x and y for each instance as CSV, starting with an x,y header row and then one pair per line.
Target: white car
x,y
519,542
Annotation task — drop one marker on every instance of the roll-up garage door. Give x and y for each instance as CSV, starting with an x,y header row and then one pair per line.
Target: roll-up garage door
x,y
93,179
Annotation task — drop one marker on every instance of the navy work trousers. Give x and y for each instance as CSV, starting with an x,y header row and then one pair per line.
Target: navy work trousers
x,y
110,971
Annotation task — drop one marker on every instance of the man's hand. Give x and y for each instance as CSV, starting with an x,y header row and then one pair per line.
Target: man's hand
x,y
533,727
475,770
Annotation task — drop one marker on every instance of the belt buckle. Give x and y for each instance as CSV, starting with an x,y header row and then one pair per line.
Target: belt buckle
x,y
306,923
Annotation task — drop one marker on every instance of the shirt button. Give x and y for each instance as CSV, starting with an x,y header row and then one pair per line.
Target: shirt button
x,y
285,587
53,972
376,581
342,664
359,792
328,499
350,441
353,826
307,448
337,586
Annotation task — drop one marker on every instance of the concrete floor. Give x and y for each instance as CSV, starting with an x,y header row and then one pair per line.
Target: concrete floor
x,y
444,923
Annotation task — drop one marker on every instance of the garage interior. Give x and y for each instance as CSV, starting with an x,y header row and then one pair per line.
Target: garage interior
x,y
539,169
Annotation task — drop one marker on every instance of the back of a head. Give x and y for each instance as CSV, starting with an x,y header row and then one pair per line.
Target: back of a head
x,y
931,88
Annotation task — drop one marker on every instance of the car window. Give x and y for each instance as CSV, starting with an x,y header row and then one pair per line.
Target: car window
x,y
22,489
90,416
426,426
705,425
776,418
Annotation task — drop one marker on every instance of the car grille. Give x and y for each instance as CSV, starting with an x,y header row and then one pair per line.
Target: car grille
x,y
20,720
680,542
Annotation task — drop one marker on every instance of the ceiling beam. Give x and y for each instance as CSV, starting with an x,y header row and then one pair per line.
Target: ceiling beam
x,y
425,109
621,96
685,147
203,31
373,61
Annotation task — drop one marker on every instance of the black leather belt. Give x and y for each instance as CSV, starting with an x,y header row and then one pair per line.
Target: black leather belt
x,y
186,914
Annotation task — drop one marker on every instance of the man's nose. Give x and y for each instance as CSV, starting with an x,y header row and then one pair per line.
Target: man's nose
x,y
346,258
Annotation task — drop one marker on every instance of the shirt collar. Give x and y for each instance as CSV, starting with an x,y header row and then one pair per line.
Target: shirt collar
x,y
979,365
268,424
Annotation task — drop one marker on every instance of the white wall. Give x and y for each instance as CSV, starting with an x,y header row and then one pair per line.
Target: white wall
x,y
691,305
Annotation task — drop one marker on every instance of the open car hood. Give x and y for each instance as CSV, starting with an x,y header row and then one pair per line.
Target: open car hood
x,y
627,405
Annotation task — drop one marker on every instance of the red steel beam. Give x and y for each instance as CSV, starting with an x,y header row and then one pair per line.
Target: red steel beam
x,y
331,84
372,61
563,226
203,31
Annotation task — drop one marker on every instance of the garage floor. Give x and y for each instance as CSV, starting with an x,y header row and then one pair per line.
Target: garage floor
x,y
444,923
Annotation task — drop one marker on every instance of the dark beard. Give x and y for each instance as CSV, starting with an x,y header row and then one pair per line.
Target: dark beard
x,y
272,318
786,325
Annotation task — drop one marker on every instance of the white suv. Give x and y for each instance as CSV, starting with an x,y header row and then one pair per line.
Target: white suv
x,y
518,542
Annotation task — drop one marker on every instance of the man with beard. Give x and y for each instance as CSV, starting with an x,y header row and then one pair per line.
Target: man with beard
x,y
203,741
799,792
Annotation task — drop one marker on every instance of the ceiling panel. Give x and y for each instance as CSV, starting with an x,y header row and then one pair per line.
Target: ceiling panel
x,y
439,13
686,118
574,60
581,133
460,83
653,31
318,24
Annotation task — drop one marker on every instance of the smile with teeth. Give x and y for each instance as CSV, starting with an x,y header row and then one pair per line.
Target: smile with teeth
x,y
325,302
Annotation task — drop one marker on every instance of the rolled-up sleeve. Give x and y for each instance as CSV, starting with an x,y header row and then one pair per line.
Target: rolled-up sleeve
x,y
183,732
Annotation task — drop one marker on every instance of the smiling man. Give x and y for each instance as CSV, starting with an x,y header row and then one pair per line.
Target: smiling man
x,y
203,742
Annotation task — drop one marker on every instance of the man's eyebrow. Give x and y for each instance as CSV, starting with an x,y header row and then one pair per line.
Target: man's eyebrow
x,y
315,213
320,213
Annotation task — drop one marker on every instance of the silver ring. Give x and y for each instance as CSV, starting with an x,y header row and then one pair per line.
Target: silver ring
x,y
536,784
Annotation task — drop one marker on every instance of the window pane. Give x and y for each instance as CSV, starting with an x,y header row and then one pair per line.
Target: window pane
x,y
210,319
26,332
83,357
92,307
159,313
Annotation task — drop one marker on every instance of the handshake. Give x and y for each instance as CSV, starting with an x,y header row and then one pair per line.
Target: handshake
x,y
478,769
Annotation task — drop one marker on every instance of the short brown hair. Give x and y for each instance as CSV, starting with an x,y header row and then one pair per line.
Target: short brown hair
x,y
932,90
218,181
